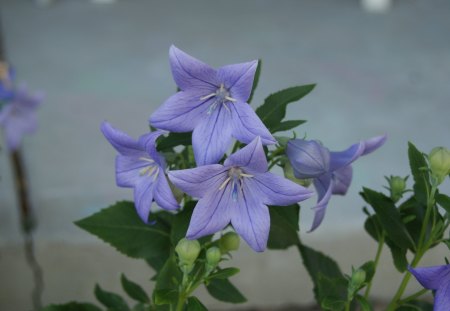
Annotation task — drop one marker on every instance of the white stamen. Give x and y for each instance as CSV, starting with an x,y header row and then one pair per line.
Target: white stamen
x,y
224,183
208,96
146,159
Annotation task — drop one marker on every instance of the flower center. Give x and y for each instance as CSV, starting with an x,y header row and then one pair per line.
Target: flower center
x,y
236,177
221,97
152,169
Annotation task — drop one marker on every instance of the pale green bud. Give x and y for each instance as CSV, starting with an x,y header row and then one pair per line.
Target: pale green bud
x,y
230,241
358,277
289,174
213,256
397,186
439,159
188,251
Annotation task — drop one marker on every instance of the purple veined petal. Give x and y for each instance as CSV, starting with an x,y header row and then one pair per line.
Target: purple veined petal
x,y
374,143
344,158
197,182
163,194
148,143
277,190
251,158
238,79
5,112
324,188
143,197
442,297
431,277
247,125
251,219
212,137
123,143
211,214
181,112
189,72
309,159
128,170
341,179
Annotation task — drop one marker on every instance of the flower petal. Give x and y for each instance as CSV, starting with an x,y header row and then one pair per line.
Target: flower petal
x,y
212,137
374,143
442,297
181,112
431,277
200,180
189,72
323,187
148,143
308,158
247,125
277,190
211,214
342,179
123,143
238,79
251,158
344,158
251,219
128,170
163,194
143,197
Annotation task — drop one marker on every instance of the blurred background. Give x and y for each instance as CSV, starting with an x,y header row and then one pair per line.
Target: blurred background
x,y
380,68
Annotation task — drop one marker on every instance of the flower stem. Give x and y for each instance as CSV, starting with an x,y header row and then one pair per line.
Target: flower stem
x,y
377,259
414,296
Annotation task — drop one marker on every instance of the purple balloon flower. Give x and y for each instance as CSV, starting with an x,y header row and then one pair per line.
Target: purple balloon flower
x,y
140,166
213,104
435,278
6,82
18,115
331,171
237,192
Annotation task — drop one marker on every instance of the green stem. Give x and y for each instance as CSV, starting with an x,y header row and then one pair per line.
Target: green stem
x,y
181,302
347,306
414,296
377,260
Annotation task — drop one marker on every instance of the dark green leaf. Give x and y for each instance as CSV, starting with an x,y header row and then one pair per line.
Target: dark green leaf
x,y
181,222
369,268
173,140
331,292
72,306
142,307
273,111
133,290
444,201
365,305
170,275
419,166
255,80
416,305
398,255
110,300
157,262
193,304
287,125
223,290
121,227
389,218
165,296
283,226
373,227
412,208
224,273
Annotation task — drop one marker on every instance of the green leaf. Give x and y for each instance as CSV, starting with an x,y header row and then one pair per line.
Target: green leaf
x,y
193,304
173,140
419,166
72,306
223,290
398,255
331,292
170,275
120,226
165,296
364,304
444,201
181,222
133,290
373,227
273,111
283,226
224,273
255,80
287,125
110,300
389,217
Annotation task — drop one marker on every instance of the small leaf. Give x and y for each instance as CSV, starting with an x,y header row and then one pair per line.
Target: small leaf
x,y
72,306
110,300
443,201
223,290
170,275
398,255
193,304
133,290
365,305
273,111
173,140
165,296
331,292
283,226
224,273
287,125
181,222
417,164
255,80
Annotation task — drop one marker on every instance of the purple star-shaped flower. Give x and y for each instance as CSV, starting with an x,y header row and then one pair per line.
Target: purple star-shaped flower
x,y
213,104
237,192
140,166
435,278
18,115
331,171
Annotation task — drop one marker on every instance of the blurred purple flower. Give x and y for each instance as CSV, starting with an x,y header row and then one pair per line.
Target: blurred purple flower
x,y
237,192
18,115
6,82
213,104
331,171
140,166
435,278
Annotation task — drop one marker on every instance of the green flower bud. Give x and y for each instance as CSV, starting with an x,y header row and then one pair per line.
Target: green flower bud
x,y
439,159
358,278
213,256
289,174
229,242
187,251
397,186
